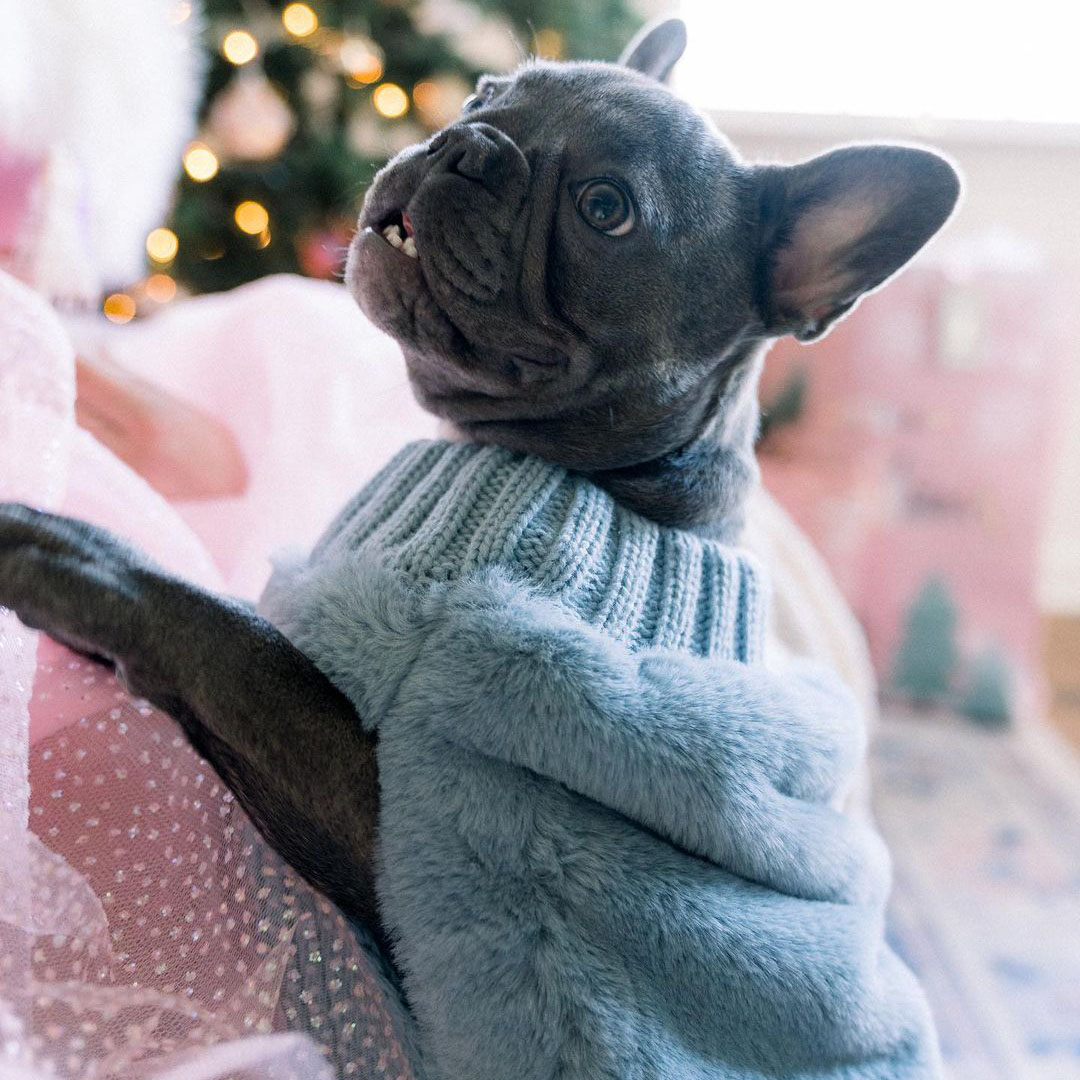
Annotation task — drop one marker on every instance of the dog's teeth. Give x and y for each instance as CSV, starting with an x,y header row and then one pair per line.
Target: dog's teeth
x,y
393,235
409,247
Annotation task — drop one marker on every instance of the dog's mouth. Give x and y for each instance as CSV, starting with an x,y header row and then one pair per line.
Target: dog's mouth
x,y
396,229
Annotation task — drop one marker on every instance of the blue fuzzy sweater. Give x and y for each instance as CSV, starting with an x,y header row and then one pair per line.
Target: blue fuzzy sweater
x,y
608,837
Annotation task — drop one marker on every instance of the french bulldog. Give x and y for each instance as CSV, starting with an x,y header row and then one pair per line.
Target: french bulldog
x,y
579,268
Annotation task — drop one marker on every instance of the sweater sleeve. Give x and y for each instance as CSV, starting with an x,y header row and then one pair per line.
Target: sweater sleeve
x,y
728,762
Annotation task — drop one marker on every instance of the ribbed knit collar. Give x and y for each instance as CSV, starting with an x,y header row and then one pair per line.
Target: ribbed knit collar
x,y
440,510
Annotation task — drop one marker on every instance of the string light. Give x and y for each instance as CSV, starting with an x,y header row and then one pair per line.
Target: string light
x,y
239,47
264,239
181,12
549,44
162,245
390,101
360,62
427,96
160,288
439,100
299,20
251,217
200,162
119,308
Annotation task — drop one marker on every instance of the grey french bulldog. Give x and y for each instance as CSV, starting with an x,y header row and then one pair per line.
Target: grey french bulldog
x,y
585,272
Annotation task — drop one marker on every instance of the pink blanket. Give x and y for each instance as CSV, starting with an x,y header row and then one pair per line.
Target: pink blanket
x,y
150,931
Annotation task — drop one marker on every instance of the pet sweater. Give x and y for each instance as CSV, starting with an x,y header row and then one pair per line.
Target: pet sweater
x,y
609,841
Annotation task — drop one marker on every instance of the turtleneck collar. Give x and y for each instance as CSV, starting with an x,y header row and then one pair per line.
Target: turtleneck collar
x,y
439,511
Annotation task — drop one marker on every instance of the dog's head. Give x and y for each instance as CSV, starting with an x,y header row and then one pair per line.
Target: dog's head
x,y
582,268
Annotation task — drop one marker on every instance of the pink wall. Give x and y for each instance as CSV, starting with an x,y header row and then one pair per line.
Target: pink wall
x,y
1018,179
925,448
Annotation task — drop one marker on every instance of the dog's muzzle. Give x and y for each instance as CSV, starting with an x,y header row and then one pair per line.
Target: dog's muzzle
x,y
466,208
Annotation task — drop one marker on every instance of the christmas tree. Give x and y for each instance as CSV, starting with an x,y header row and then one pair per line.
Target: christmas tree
x,y
927,655
304,101
988,699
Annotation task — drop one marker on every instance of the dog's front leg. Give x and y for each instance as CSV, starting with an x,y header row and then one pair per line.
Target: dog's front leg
x,y
284,738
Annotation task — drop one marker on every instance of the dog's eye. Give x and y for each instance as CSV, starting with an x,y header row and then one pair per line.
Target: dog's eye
x,y
606,207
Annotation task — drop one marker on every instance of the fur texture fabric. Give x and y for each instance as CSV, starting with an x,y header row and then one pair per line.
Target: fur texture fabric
x,y
610,848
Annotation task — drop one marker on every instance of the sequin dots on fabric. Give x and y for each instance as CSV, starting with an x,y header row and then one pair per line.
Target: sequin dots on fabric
x,y
165,928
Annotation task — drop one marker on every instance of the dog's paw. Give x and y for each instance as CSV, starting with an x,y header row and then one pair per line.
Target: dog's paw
x,y
72,580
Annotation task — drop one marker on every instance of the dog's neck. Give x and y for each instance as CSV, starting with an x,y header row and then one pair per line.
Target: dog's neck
x,y
703,485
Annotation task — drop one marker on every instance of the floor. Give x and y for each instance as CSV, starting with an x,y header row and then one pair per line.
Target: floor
x,y
985,834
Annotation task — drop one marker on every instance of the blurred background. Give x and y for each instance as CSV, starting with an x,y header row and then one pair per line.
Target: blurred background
x,y
929,447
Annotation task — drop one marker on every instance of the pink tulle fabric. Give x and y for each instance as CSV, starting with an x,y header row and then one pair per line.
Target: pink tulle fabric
x,y
146,930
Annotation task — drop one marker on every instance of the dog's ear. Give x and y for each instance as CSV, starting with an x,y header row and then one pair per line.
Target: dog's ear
x,y
839,225
656,48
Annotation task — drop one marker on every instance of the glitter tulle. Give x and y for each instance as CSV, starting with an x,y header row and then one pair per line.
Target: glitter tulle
x,y
162,924
146,930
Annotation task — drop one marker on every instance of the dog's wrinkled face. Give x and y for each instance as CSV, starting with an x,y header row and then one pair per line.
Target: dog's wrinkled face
x,y
579,266
568,232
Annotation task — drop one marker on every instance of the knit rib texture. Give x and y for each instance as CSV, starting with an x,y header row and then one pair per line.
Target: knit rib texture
x,y
440,511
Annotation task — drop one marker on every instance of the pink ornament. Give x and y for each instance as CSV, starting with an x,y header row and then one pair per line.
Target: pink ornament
x,y
250,120
322,253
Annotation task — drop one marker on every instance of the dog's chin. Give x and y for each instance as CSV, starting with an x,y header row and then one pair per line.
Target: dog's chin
x,y
449,371
390,289
485,400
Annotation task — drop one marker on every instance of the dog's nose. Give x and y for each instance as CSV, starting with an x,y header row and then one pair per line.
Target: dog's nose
x,y
476,151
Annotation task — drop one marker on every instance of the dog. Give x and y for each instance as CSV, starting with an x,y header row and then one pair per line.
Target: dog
x,y
579,269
